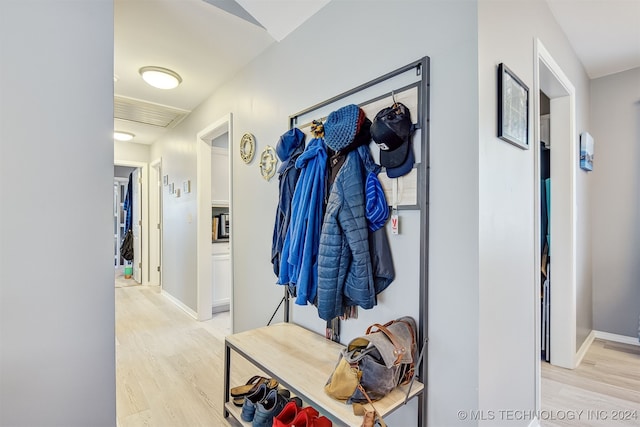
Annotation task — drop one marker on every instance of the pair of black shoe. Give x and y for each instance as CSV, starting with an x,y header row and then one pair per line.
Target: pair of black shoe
x,y
264,403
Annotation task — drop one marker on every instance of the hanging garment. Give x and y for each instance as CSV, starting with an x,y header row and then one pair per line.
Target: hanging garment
x,y
298,266
290,146
128,205
377,214
126,249
345,276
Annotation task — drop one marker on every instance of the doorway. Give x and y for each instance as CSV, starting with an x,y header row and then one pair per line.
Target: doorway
x,y
214,207
141,220
560,198
126,203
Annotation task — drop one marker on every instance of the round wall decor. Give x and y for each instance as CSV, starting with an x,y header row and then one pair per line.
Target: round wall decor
x,y
247,147
268,162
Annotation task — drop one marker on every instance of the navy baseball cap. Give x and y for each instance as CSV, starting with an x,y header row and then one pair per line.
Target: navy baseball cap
x,y
391,130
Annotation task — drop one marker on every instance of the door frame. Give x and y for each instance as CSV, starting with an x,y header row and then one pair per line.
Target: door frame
x,y
550,79
155,217
203,226
144,171
137,193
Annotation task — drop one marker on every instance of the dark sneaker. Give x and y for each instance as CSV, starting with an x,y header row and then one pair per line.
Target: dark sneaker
x,y
250,401
268,408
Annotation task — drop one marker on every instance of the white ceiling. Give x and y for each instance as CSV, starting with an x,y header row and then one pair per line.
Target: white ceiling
x,y
605,34
207,41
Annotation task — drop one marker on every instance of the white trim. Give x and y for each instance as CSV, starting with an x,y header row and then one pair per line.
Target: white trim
x,y
550,77
155,214
179,304
536,229
623,339
534,422
584,348
144,171
203,206
222,305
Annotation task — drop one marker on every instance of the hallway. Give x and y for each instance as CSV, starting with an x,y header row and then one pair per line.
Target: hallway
x,y
169,368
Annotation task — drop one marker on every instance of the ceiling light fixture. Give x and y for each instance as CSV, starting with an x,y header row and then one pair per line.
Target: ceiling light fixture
x,y
122,136
161,78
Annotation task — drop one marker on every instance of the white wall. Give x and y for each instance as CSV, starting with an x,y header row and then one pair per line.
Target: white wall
x,y
309,66
56,281
507,31
122,171
131,151
615,116
179,258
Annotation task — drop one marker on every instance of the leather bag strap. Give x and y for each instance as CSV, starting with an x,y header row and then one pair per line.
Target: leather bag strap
x,y
399,350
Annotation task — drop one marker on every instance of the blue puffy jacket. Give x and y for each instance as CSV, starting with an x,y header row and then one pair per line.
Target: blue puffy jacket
x,y
345,276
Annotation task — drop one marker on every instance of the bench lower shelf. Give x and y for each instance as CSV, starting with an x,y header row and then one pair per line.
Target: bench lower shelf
x,y
302,361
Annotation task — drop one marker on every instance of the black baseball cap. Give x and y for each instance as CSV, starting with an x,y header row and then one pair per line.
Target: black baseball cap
x,y
391,130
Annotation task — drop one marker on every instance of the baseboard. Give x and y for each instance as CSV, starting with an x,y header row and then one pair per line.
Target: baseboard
x,y
180,304
534,422
584,348
623,339
221,305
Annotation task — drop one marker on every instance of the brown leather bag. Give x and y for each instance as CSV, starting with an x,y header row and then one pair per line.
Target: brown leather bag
x,y
374,364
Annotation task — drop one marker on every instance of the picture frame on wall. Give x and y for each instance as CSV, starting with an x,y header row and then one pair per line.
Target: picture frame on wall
x,y
513,108
586,151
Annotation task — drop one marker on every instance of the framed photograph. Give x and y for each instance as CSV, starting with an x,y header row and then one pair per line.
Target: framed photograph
x,y
165,180
586,151
513,108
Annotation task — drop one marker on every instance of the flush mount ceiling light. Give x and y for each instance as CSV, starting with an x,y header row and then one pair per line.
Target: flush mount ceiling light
x,y
161,78
122,136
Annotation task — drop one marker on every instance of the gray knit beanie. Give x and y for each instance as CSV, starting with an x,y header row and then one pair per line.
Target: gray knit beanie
x,y
341,127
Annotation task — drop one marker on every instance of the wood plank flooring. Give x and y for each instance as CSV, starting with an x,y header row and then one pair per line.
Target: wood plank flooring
x,y
603,391
170,371
169,367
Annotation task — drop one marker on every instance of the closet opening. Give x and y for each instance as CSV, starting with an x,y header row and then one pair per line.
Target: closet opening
x,y
545,230
555,160
127,215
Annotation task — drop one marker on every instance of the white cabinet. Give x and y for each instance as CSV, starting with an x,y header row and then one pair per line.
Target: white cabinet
x,y
219,176
220,277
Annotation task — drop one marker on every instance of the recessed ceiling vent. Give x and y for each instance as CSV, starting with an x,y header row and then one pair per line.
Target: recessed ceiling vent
x,y
147,113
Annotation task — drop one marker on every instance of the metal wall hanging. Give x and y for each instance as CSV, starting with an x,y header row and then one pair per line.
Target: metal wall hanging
x,y
247,147
268,162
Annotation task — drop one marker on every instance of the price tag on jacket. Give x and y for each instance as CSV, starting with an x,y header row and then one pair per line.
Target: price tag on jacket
x,y
395,223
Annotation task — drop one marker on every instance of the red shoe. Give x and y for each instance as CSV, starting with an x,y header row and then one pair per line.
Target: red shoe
x,y
321,422
289,414
308,417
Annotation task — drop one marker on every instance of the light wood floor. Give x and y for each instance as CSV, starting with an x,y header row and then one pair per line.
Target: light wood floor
x,y
169,371
605,387
169,367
